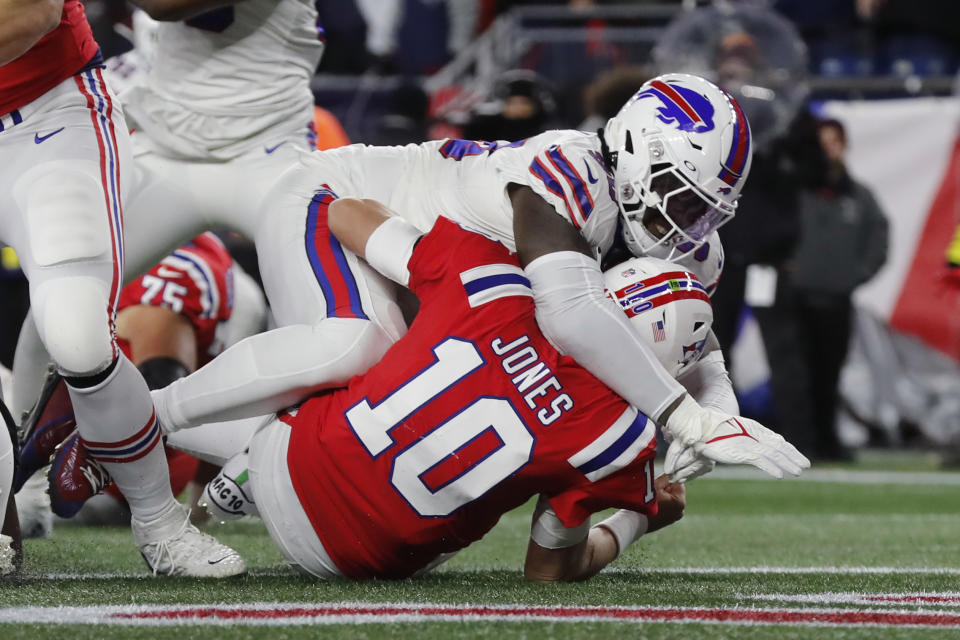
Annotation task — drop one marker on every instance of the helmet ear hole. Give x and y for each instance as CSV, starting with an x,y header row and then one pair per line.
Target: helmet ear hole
x,y
628,143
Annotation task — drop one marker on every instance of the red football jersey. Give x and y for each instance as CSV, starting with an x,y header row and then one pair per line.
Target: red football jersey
x,y
54,58
195,281
466,417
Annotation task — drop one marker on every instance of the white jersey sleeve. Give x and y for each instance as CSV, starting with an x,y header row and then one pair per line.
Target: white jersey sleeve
x,y
565,168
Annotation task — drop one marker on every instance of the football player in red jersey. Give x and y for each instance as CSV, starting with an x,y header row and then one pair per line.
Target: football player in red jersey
x,y
469,415
170,321
61,194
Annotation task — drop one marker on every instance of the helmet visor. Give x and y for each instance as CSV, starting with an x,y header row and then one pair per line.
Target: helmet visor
x,y
682,208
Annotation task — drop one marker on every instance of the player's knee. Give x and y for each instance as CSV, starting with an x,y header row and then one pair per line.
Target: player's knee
x,y
72,316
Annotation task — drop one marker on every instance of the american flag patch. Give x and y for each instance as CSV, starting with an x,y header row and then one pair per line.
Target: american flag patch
x,y
659,335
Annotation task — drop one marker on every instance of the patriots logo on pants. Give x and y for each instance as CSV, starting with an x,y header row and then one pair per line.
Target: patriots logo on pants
x,y
682,107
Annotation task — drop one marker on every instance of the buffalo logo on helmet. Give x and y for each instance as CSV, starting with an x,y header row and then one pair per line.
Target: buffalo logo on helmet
x,y
682,107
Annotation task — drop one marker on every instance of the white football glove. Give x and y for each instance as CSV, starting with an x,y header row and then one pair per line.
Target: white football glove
x,y
690,423
704,433
684,464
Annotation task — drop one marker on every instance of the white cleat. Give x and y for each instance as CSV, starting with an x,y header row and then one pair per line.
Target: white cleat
x,y
33,507
7,555
171,546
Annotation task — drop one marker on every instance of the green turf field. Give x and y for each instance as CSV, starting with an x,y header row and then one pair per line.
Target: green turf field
x,y
845,554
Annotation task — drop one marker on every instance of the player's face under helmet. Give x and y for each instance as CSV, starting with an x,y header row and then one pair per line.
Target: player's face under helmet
x,y
667,305
682,153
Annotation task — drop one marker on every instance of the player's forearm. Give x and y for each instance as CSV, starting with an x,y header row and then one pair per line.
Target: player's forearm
x,y
174,10
573,563
577,317
23,23
708,382
370,230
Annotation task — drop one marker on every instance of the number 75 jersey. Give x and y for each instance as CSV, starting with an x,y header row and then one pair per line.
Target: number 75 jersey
x,y
466,417
195,281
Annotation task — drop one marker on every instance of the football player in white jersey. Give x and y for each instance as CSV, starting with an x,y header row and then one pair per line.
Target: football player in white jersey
x,y
220,105
666,171
222,110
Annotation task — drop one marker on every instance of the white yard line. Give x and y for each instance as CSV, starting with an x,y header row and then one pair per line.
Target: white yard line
x,y
831,570
950,571
308,613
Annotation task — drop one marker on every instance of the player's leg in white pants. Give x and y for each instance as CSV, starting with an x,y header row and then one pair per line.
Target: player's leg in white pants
x,y
62,212
170,202
336,318
173,200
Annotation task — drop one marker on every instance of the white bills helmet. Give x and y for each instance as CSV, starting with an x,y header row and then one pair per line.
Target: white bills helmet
x,y
667,305
681,152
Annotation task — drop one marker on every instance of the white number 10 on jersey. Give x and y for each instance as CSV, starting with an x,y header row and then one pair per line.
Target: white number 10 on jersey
x,y
455,360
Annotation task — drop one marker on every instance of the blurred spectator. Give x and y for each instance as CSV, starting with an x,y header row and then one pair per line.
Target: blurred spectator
x,y
383,22
521,104
760,239
842,244
414,37
345,33
604,97
767,225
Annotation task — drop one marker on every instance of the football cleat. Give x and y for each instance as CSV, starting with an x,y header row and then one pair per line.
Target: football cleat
x,y
46,425
74,477
171,546
7,555
228,495
33,507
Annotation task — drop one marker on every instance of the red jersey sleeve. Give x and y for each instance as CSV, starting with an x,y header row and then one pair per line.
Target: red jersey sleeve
x,y
426,263
611,466
449,254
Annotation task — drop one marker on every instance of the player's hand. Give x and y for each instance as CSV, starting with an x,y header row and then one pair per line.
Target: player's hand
x,y
690,423
740,440
685,464
671,501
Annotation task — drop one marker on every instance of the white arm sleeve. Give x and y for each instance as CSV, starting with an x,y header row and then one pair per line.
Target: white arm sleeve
x,y
708,382
390,247
548,532
579,319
